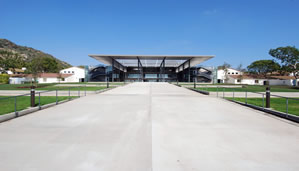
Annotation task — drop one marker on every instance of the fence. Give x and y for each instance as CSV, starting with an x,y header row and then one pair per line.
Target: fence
x,y
284,106
19,103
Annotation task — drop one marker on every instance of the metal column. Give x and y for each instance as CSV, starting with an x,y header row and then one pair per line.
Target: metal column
x,y
183,72
112,77
189,71
119,72
164,70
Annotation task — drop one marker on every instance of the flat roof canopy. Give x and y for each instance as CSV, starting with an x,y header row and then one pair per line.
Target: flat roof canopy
x,y
153,60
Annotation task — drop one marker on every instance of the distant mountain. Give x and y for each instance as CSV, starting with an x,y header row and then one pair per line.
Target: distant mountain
x,y
27,52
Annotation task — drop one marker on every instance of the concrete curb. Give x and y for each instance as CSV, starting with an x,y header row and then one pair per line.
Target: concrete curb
x,y
200,91
272,112
13,115
177,85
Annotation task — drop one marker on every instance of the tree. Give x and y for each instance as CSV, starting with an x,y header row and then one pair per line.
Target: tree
x,y
10,60
289,58
242,70
42,65
225,66
263,67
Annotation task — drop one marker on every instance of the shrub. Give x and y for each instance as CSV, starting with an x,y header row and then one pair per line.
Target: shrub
x,y
4,78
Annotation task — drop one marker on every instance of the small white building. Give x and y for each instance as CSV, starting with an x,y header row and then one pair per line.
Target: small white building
x,y
52,78
258,80
77,72
18,79
223,74
245,79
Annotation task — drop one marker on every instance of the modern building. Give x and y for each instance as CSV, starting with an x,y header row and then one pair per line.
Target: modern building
x,y
148,68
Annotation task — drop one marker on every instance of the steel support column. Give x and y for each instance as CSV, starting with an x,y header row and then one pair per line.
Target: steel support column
x,y
163,70
189,71
184,73
119,73
112,77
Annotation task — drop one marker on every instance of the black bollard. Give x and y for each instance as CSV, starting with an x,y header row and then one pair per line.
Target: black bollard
x,y
107,82
32,95
267,97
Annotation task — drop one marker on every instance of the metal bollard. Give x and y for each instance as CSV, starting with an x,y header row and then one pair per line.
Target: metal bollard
x,y
32,96
107,82
268,94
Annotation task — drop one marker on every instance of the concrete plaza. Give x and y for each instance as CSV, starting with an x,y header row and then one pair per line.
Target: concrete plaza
x,y
148,127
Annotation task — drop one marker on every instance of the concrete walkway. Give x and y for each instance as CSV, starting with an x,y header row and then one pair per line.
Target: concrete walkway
x,y
148,126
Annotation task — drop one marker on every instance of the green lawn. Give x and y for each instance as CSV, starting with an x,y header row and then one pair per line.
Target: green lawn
x,y
252,88
278,104
7,105
48,87
71,88
97,83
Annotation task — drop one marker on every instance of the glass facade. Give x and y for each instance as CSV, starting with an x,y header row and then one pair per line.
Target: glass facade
x,y
151,76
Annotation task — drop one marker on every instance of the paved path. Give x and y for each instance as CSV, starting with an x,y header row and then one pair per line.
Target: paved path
x,y
148,126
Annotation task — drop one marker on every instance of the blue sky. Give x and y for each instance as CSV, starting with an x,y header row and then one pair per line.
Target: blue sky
x,y
239,31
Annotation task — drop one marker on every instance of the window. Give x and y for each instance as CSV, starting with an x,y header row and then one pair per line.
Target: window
x,y
233,73
134,76
228,73
69,72
73,72
238,80
151,76
62,79
256,81
64,71
237,73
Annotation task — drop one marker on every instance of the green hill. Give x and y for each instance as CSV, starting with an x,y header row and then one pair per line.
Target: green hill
x,y
27,52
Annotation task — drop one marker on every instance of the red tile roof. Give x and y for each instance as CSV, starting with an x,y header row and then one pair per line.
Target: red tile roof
x,y
51,75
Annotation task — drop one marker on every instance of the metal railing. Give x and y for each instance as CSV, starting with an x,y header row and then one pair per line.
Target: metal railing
x,y
20,102
17,103
282,104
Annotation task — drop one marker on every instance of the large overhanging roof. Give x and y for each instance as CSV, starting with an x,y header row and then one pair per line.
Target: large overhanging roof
x,y
153,60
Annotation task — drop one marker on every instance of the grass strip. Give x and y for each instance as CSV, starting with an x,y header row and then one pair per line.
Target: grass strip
x,y
7,105
278,104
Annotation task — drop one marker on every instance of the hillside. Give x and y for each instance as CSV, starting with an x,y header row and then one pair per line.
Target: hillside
x,y
27,52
